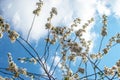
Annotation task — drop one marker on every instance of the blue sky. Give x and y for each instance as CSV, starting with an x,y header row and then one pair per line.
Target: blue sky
x,y
18,13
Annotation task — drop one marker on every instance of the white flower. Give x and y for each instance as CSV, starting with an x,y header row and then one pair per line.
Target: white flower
x,y
72,57
93,56
33,60
23,71
81,70
48,26
13,35
38,9
1,78
54,10
105,50
7,27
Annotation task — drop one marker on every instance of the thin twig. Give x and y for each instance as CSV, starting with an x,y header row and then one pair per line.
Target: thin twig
x,y
56,66
100,47
40,62
54,58
86,70
89,75
46,45
31,27
97,67
100,44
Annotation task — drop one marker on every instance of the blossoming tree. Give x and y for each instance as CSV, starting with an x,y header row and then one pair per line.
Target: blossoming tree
x,y
69,44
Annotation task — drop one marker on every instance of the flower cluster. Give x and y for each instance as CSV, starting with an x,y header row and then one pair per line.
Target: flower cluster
x,y
114,39
83,42
78,48
113,70
15,69
38,9
72,57
63,34
74,77
5,27
57,32
23,71
12,66
1,78
49,26
96,56
1,26
53,12
104,28
71,76
75,47
24,59
76,22
13,35
81,31
109,71
118,38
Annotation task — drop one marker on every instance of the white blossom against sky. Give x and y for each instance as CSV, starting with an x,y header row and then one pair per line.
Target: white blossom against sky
x,y
20,14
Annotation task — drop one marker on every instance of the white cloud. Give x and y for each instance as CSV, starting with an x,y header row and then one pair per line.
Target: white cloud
x,y
102,7
56,61
109,7
67,11
21,13
16,19
115,8
84,9
9,6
